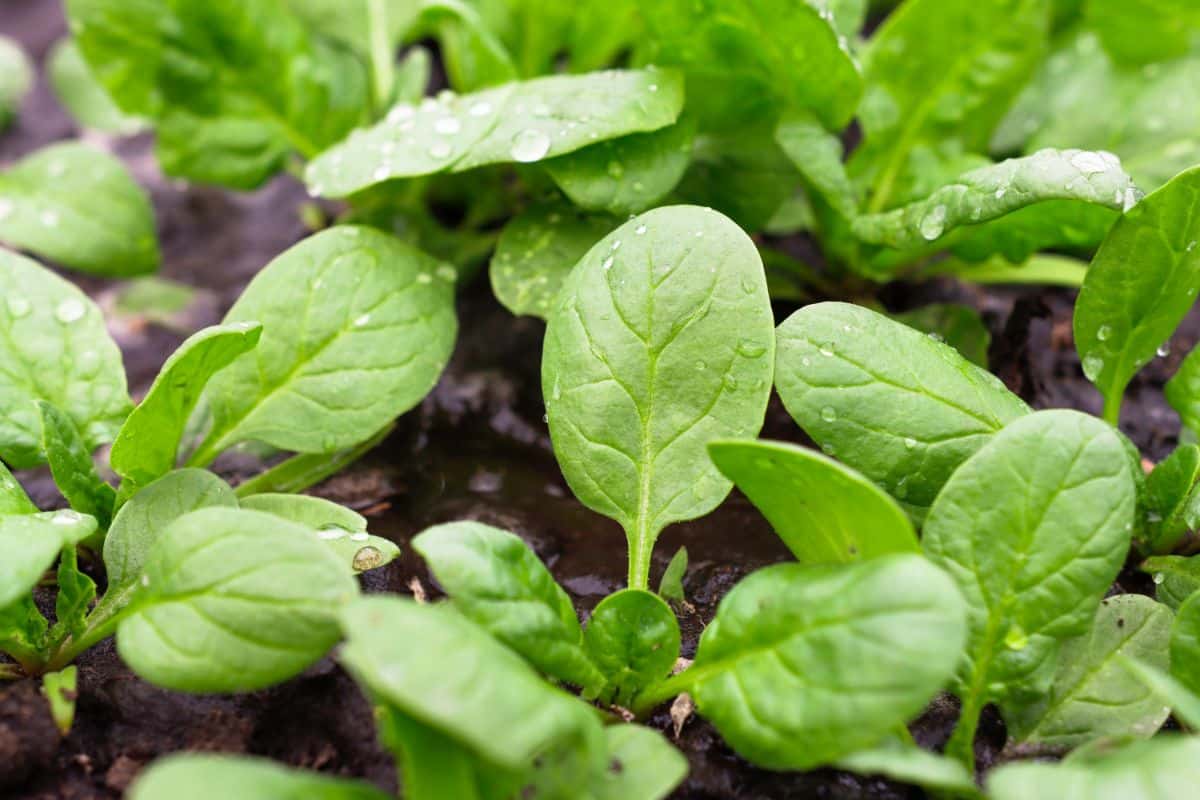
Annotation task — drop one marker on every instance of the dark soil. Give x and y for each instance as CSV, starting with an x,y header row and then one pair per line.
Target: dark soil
x,y
477,448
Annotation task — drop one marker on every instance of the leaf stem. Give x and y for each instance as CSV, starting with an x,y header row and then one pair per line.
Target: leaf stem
x,y
654,696
1112,409
962,742
308,469
383,61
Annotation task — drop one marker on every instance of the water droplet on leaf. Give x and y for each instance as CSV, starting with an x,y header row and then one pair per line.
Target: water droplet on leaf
x,y
529,145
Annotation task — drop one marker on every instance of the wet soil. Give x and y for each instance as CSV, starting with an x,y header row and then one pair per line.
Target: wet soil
x,y
476,448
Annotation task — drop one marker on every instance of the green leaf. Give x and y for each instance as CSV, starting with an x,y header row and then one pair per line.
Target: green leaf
x,y
641,765
194,776
356,23
233,600
749,59
148,442
742,173
633,637
1043,268
1167,766
536,250
55,348
1183,392
517,122
1141,283
912,765
474,58
339,528
861,648
1055,192
496,581
434,766
1172,502
1183,704
957,325
72,466
13,499
85,99
940,75
1093,696
23,630
818,155
16,79
626,175
889,401
660,342
824,512
31,543
357,326
670,586
1176,578
1034,528
78,206
1144,31
76,591
233,87
1185,644
460,681
60,690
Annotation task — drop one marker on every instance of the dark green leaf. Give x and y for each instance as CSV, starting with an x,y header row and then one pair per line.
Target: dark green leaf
x,y
1172,502
743,173
633,637
194,776
957,325
76,591
72,466
474,58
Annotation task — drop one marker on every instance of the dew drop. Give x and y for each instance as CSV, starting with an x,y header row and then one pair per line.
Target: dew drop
x,y
49,218
529,145
751,348
363,320
447,273
424,277
480,109
1191,245
69,311
615,169
381,173
607,263
399,114
639,230
1159,577
1103,333
331,532
6,209
18,307
933,223
447,126
66,517
828,413
826,350
1000,192
439,149
615,245
1092,367
1163,350
1089,163
359,536
901,490
731,382
910,443
1016,639
701,366
367,558
828,449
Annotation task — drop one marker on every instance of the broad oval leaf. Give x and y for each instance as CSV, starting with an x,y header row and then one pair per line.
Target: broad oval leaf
x,y
891,402
357,327
519,122
83,96
1034,528
147,444
1185,644
31,543
193,776
233,600
1093,695
1141,283
633,637
661,341
825,513
804,665
55,348
496,581
342,530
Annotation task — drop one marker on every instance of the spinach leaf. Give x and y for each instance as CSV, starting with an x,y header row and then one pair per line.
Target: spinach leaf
x,y
818,155
340,529
76,591
147,444
23,629
519,122
629,174
1045,268
16,79
363,25
1183,393
1143,31
13,499
1033,528
1172,501
233,600
1185,644
900,407
1176,578
54,348
910,764
78,206
660,342
433,765
474,57
860,647
633,637
499,583
670,586
194,776
825,513
85,99
61,689
641,764
1183,704
357,326
31,543
1141,283
71,465
743,173
957,325
536,250
1093,696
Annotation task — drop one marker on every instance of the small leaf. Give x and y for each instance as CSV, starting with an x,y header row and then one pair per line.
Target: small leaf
x,y
1185,644
72,466
76,591
23,629
233,600
195,776
641,765
85,99
1176,578
13,499
818,155
339,528
474,58
1172,502
31,543
633,637
1042,269
60,690
912,765
957,325
1141,283
16,79
1183,392
670,586
824,512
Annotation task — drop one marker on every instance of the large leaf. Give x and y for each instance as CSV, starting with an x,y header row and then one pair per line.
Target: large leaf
x,y
233,600
78,206
31,543
1033,528
517,122
357,326
195,776
825,513
86,100
660,342
55,348
1141,283
633,637
1093,695
900,407
805,665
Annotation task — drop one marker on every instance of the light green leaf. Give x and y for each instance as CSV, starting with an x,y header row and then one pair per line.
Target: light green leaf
x,y
78,206
660,342
1044,268
860,648
1144,31
147,444
633,637
16,79
357,327
1034,528
233,600
957,325
641,765
412,75
435,766
31,543
55,348
341,529
887,400
1093,696
824,512
818,155
1183,392
1185,644
670,586
536,250
1176,578
13,499
85,99
76,591
23,629
71,465
474,58
517,122
1168,766
358,23
60,690
1141,283
1172,502
496,581
912,765
194,776
629,174
1183,704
